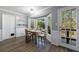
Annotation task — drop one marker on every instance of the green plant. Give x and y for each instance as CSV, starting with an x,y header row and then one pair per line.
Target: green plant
x,y
40,24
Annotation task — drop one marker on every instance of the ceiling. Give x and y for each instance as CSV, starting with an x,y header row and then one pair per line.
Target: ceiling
x,y
32,11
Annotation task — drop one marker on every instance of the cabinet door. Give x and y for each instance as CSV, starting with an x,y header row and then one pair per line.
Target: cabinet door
x,y
20,26
12,25
8,26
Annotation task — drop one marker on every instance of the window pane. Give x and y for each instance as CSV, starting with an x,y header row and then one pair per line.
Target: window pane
x,y
32,24
40,24
49,25
63,23
73,34
63,33
69,19
73,24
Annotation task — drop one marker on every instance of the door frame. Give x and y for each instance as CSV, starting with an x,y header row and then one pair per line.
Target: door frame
x,y
59,22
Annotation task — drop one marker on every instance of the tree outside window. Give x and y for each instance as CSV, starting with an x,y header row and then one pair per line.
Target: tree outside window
x,y
40,24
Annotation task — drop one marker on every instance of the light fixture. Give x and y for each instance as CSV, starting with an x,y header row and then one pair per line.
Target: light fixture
x,y
32,10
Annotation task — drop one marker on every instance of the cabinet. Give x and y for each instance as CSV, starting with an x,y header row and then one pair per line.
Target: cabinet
x,y
20,26
8,26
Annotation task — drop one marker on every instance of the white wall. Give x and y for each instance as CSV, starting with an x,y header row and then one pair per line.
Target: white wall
x,y
0,26
55,26
0,35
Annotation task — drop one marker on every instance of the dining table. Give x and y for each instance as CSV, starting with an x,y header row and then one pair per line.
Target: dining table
x,y
35,34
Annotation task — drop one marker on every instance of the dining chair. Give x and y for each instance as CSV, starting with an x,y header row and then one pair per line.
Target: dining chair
x,y
28,35
42,35
34,37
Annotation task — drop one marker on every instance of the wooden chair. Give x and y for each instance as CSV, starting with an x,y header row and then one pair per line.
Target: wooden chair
x,y
34,37
28,35
42,35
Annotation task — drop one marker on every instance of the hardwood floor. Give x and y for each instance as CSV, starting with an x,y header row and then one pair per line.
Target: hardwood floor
x,y
19,45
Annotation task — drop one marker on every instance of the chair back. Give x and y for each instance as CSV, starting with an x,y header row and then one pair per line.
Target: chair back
x,y
27,32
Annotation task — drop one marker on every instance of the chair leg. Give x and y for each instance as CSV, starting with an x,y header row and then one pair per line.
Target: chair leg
x,y
35,39
44,40
32,38
26,39
41,39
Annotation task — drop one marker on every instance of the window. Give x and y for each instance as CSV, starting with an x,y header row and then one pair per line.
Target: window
x,y
40,24
32,23
68,26
49,24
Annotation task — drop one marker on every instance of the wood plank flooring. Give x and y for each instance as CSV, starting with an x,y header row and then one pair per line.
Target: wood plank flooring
x,y
19,45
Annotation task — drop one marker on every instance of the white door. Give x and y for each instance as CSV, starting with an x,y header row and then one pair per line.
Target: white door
x,y
8,26
68,27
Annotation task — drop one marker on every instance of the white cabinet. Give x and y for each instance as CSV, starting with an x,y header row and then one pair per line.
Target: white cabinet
x,y
11,25
20,32
8,26
20,26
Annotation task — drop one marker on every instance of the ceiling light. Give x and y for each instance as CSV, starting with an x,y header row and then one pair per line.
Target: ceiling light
x,y
32,10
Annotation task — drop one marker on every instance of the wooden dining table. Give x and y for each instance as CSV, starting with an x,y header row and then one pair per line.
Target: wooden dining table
x,y
35,34
35,31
